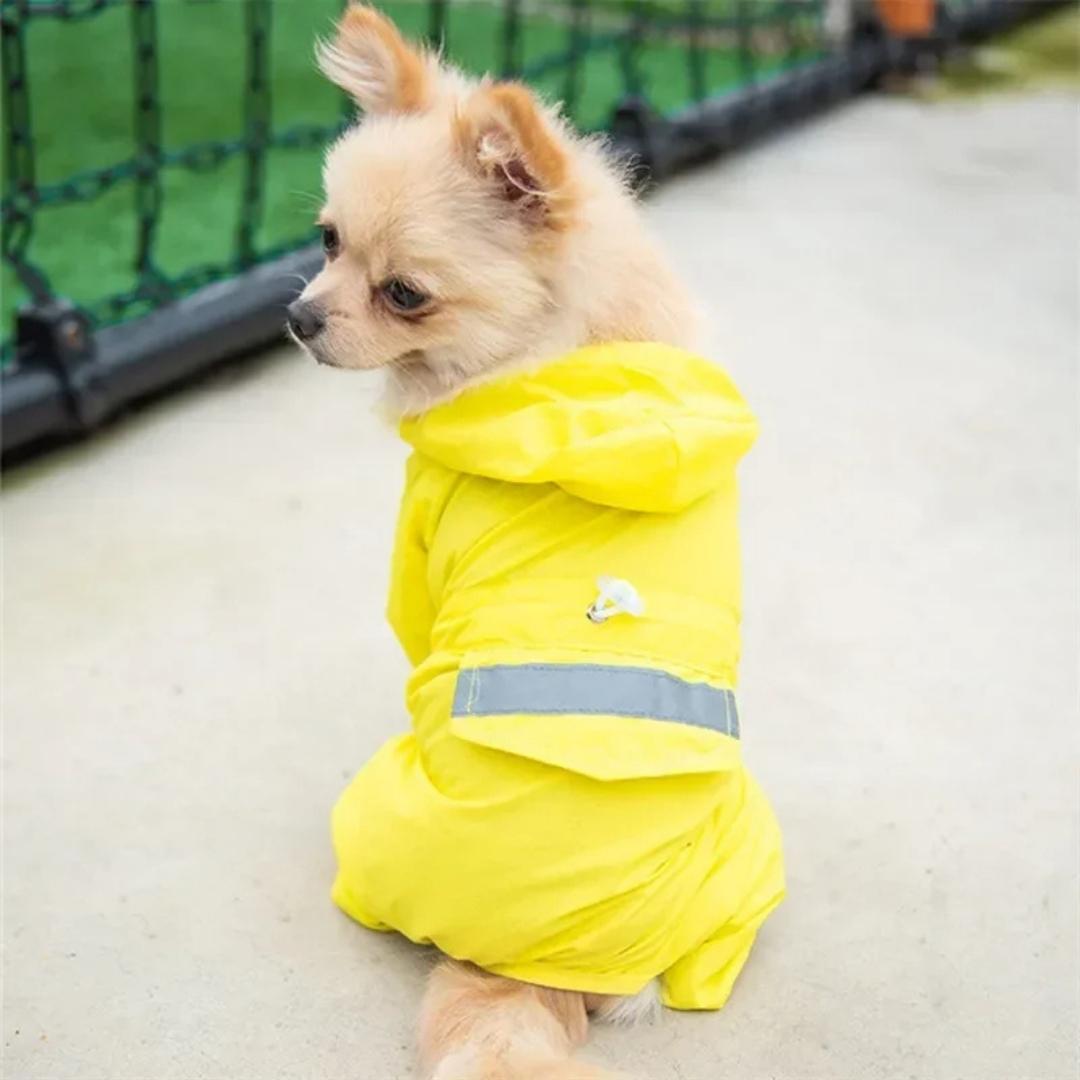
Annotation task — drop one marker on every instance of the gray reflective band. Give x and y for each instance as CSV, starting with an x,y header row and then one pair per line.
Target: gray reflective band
x,y
599,689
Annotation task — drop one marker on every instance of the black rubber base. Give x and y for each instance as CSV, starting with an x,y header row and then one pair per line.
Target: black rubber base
x,y
142,357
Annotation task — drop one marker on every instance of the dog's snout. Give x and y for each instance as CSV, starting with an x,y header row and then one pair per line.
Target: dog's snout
x,y
305,319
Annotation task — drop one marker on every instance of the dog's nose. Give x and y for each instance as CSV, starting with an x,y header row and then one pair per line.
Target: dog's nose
x,y
305,319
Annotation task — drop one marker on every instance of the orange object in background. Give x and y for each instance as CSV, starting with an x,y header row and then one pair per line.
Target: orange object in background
x,y
907,18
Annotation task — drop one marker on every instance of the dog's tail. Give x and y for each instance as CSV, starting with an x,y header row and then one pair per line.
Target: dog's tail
x,y
478,1026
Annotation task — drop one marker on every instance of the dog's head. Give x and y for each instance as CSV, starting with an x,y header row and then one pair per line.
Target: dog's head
x,y
446,215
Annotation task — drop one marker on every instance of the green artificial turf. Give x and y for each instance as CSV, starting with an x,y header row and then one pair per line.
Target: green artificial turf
x,y
82,89
1040,55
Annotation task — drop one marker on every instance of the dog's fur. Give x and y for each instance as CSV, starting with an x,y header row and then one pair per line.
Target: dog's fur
x,y
523,242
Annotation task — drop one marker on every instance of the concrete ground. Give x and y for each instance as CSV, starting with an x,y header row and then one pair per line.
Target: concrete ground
x,y
196,658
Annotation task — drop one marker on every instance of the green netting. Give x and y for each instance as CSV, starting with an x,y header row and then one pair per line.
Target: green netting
x,y
154,146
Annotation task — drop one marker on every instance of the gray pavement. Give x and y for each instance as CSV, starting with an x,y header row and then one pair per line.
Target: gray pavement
x,y
195,657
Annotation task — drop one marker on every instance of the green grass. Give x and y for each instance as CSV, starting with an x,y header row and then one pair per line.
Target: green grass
x,y
81,93
1043,54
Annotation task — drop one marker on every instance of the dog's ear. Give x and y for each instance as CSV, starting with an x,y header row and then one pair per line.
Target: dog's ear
x,y
375,65
505,135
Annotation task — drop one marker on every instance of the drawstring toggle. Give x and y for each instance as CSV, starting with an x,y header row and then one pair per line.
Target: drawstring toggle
x,y
617,597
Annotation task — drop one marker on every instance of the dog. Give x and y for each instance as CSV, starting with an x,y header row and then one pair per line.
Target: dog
x,y
569,819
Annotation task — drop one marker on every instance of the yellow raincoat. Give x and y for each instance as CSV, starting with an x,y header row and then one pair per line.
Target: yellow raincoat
x,y
570,807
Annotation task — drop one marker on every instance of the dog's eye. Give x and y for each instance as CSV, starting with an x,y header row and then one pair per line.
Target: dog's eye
x,y
331,242
402,296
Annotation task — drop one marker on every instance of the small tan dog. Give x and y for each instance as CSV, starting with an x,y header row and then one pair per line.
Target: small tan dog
x,y
468,231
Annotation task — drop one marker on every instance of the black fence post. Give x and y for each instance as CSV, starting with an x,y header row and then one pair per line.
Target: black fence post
x,y
437,23
510,64
257,120
147,141
53,341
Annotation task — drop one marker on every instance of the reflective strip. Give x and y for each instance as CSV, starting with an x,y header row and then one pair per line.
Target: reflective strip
x,y
599,689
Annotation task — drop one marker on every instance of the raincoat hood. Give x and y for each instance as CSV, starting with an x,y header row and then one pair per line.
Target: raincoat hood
x,y
635,425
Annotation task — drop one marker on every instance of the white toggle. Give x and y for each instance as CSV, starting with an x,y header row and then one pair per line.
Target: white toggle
x,y
617,597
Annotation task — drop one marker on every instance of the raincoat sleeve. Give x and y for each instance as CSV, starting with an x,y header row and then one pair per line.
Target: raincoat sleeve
x,y
410,609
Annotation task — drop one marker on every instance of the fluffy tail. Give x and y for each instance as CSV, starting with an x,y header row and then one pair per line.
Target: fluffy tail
x,y
477,1026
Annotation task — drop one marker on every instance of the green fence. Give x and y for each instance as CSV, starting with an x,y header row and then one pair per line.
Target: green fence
x,y
161,157
154,147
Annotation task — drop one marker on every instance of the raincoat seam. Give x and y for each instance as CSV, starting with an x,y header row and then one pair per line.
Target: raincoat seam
x,y
583,711
471,696
595,667
677,474
627,653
